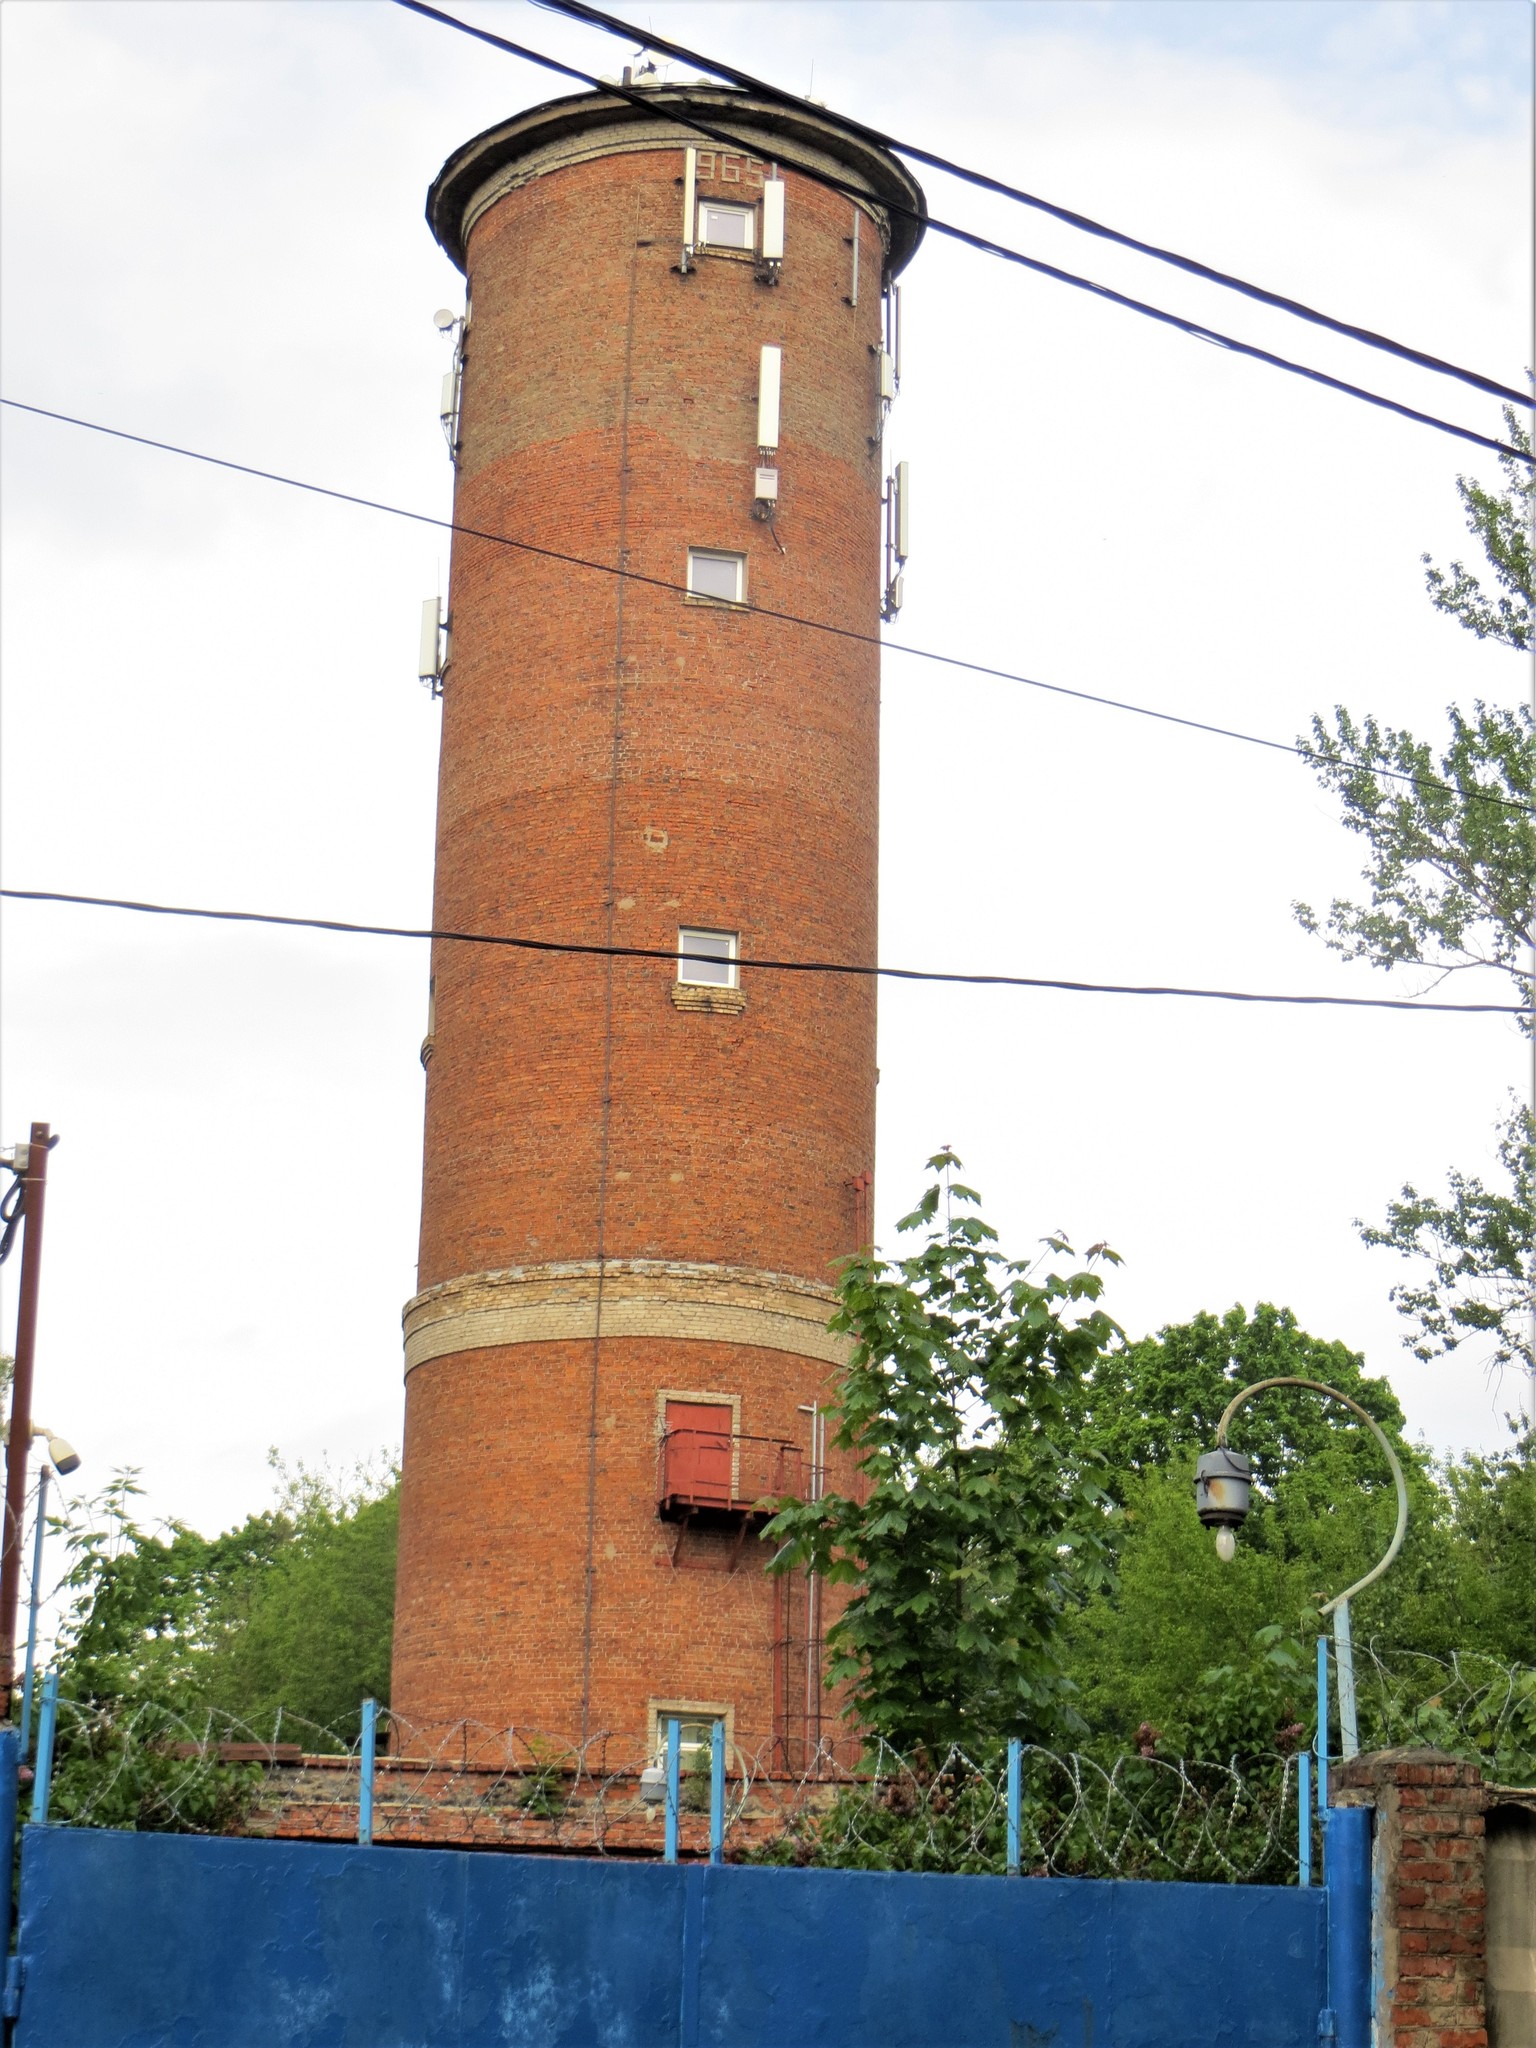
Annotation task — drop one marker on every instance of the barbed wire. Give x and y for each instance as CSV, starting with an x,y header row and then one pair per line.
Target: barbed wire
x,y
1468,1703
837,1803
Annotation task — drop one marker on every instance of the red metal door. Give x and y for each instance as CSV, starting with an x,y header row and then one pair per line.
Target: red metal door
x,y
699,1452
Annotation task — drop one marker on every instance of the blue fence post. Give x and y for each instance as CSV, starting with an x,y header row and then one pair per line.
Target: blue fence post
x,y
10,1764
1322,1731
717,1793
674,1746
365,1772
46,1724
1015,1750
1304,1819
1347,1882
37,1579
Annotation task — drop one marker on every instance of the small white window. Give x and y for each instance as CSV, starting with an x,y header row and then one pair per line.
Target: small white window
x,y
725,227
708,959
722,577
696,1732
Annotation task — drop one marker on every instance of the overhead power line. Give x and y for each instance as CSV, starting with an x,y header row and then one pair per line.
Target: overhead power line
x,y
611,24
978,668
1196,329
836,967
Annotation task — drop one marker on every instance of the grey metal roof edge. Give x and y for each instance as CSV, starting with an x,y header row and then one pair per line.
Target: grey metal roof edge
x,y
475,162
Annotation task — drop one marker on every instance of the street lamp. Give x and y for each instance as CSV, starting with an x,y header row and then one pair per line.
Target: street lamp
x,y
1222,1496
63,1453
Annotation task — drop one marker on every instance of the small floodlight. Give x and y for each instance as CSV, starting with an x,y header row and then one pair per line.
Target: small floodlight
x,y
64,1455
444,320
1223,1493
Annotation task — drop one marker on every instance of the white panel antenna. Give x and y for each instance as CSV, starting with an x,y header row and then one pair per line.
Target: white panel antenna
x,y
773,221
769,375
887,376
690,207
432,657
898,514
453,325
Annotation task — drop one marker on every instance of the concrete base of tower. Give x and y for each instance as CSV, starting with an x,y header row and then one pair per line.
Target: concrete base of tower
x,y
581,1515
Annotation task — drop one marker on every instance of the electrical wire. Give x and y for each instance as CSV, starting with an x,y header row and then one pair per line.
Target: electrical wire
x,y
647,39
1194,328
528,547
12,1209
835,967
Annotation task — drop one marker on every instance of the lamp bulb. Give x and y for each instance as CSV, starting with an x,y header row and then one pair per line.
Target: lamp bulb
x,y
1226,1545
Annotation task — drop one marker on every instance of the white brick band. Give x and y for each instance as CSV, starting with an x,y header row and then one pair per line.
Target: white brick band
x,y
640,1298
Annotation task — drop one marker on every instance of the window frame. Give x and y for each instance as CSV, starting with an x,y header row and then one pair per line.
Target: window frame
x,y
731,961
660,1710
744,209
718,555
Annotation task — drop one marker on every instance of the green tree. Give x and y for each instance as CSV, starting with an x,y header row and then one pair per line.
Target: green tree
x,y
1451,881
317,1637
292,1611
1146,1651
1156,1403
977,1520
1502,523
1476,1243
1190,1651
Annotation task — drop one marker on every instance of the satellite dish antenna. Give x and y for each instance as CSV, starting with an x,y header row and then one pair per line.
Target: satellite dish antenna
x,y
444,320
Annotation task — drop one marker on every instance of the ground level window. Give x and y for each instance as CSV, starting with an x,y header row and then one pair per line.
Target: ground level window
x,y
696,1731
708,959
720,576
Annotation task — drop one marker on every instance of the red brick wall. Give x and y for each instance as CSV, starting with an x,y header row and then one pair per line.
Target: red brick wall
x,y
1430,1896
618,762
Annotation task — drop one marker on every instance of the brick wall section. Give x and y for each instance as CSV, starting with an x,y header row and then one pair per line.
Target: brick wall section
x,y
1430,1894
619,761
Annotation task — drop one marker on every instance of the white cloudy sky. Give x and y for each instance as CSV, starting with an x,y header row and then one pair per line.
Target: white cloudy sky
x,y
213,234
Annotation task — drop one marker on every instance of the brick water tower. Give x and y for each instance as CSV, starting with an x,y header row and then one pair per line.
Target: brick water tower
x,y
640,1174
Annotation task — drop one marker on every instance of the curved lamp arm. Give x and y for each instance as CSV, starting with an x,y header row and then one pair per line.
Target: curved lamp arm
x,y
1317,1387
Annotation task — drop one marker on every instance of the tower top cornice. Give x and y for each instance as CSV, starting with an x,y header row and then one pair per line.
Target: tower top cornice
x,y
583,126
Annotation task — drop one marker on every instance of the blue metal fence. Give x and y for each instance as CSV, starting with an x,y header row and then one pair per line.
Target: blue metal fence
x,y
221,1942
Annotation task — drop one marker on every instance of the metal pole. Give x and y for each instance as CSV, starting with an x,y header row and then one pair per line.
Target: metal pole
x,y
674,1746
1322,1728
42,1779
36,1594
1304,1819
1015,1748
365,1774
35,1181
810,1593
1344,1654
717,1793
